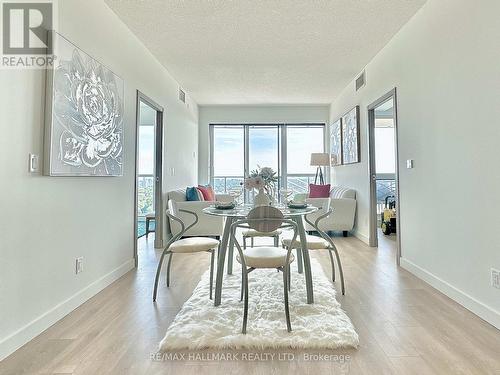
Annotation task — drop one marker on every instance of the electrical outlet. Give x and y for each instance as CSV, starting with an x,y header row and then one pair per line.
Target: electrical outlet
x,y
495,278
79,265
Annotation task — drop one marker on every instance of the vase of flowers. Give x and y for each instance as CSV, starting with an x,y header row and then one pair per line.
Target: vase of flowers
x,y
264,181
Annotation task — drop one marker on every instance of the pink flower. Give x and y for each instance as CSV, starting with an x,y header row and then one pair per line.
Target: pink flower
x,y
249,183
258,182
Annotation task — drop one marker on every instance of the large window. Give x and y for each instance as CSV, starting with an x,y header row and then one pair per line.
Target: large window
x,y
263,147
236,150
301,142
228,166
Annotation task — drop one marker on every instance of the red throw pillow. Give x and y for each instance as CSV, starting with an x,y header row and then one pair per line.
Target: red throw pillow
x,y
208,192
319,191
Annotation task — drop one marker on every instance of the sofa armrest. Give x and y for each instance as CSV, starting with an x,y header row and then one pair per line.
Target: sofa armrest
x,y
323,205
343,205
344,211
341,218
193,206
207,224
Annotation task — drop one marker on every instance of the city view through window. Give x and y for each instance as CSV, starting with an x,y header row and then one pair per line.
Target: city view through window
x,y
239,149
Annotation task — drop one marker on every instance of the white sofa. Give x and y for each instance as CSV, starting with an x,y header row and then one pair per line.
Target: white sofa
x,y
207,225
343,203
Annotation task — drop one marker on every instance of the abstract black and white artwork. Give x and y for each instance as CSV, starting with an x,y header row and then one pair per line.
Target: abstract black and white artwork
x,y
84,115
350,136
336,143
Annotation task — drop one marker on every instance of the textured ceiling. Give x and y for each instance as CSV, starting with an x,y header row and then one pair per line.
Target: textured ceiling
x,y
264,51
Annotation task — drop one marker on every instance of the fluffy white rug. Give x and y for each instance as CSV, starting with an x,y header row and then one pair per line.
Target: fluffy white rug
x,y
201,325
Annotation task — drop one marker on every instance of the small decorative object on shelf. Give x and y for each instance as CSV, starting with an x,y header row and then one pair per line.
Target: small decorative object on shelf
x,y
264,181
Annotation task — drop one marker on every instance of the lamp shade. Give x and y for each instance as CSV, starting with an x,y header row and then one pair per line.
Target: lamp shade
x,y
320,159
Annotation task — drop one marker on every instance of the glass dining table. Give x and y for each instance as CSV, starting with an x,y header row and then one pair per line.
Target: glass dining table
x,y
227,246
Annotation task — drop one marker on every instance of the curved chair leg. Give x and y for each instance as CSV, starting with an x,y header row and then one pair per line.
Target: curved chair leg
x,y
245,311
285,289
289,278
168,268
341,272
300,267
158,270
333,264
243,271
212,258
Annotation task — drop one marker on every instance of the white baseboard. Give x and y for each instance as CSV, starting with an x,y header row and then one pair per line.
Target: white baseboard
x,y
361,237
470,303
14,341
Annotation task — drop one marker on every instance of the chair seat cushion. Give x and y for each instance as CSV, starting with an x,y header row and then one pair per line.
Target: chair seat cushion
x,y
313,242
255,233
193,245
265,257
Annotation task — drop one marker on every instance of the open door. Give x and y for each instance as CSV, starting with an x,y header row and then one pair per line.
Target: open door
x,y
148,215
384,186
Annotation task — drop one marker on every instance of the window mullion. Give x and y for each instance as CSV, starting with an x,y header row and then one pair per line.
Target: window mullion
x,y
284,167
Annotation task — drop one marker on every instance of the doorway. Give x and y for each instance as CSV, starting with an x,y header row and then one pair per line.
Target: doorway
x,y
148,172
384,186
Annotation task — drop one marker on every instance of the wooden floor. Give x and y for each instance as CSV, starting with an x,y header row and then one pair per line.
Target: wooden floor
x,y
404,326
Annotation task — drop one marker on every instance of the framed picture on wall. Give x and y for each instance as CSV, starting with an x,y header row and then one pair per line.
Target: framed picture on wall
x,y
84,115
350,137
336,143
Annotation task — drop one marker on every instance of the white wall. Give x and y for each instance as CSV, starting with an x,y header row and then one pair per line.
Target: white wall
x,y
445,65
251,114
47,222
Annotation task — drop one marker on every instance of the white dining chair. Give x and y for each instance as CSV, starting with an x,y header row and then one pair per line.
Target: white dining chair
x,y
321,242
252,234
179,245
323,205
264,219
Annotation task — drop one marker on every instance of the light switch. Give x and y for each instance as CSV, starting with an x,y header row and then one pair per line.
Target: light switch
x,y
409,164
33,165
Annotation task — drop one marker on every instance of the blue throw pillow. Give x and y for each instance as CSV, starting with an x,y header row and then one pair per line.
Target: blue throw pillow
x,y
192,194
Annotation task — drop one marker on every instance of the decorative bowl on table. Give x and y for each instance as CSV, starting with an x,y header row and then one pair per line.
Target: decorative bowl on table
x,y
224,205
297,205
